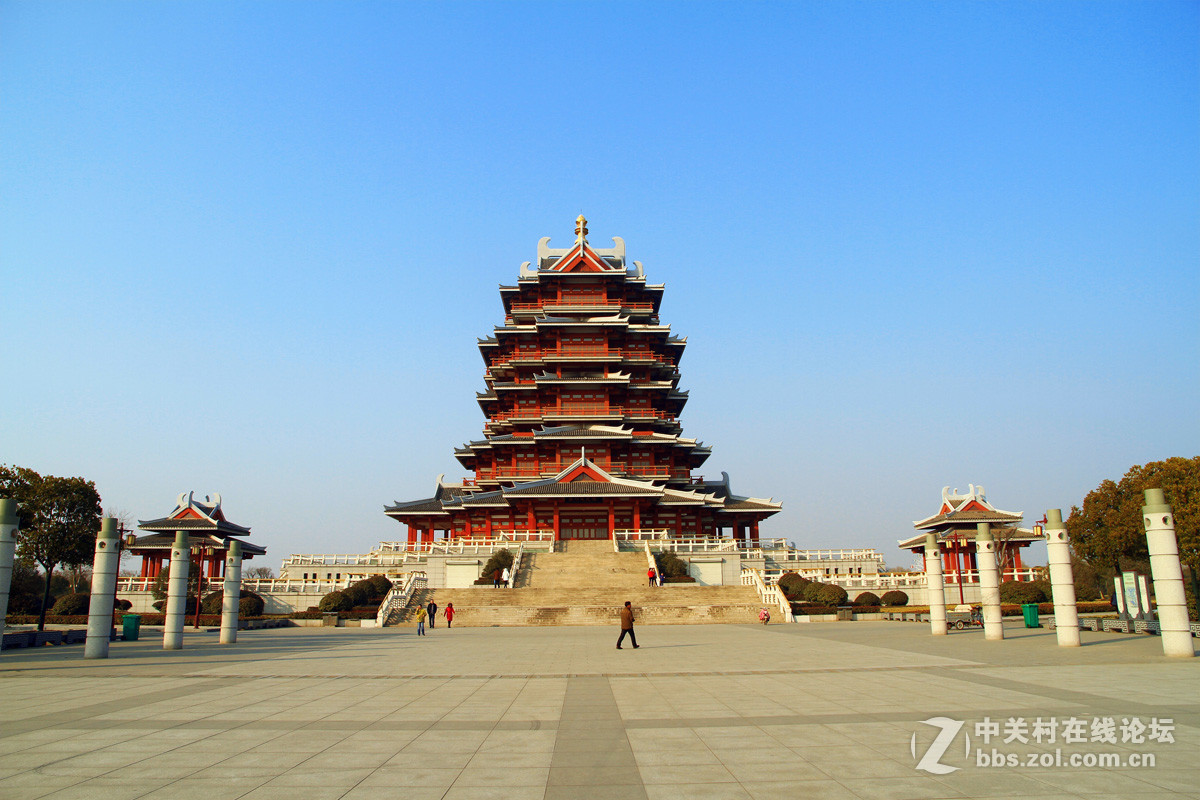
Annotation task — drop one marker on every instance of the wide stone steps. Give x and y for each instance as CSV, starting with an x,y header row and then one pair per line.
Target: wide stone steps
x,y
587,583
668,605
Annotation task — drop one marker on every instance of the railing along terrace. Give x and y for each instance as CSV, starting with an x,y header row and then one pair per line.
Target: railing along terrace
x,y
267,585
372,559
861,554
768,594
901,580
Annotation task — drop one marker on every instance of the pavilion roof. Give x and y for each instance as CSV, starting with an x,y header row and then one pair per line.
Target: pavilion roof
x,y
966,510
191,514
165,541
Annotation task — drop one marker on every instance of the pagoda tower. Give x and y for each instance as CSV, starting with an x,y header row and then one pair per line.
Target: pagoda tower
x,y
582,438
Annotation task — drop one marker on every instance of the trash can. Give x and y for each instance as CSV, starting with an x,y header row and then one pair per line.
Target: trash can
x,y
1030,610
131,626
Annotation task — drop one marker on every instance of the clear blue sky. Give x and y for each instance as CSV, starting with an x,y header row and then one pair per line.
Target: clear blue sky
x,y
248,247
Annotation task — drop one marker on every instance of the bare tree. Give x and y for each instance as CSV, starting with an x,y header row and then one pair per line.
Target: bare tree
x,y
260,573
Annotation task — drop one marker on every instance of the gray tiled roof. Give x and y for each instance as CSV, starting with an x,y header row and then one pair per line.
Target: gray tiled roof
x,y
167,524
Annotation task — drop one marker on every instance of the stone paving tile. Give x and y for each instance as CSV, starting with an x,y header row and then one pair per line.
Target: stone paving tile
x,y
712,711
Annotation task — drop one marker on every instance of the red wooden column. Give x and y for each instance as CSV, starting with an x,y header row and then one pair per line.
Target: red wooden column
x,y
678,524
754,532
612,520
467,527
412,536
699,525
556,523
637,517
487,531
145,567
532,519
1016,554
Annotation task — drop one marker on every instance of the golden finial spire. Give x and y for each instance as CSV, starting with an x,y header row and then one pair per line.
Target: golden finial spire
x,y
581,230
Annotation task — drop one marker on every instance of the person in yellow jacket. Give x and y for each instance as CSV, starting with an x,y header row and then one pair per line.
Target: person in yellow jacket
x,y
422,614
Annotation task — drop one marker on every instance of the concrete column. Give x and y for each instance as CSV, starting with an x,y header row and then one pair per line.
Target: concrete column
x,y
233,593
989,582
1062,580
8,546
1168,577
104,586
935,587
176,594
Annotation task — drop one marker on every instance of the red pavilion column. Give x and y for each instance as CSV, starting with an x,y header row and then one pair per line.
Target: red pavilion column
x,y
412,536
637,517
754,532
556,523
612,520
532,519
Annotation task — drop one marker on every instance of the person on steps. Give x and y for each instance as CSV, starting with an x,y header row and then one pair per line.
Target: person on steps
x,y
653,576
627,626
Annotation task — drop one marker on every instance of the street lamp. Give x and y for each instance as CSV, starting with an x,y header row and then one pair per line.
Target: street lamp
x,y
125,538
200,550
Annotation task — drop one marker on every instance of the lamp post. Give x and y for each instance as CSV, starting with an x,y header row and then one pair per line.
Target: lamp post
x,y
201,551
125,538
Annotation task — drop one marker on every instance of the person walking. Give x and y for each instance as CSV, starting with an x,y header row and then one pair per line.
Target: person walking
x,y
764,616
496,578
627,626
421,615
504,576
432,609
449,614
653,576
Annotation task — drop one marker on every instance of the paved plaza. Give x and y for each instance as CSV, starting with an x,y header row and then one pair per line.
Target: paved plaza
x,y
725,711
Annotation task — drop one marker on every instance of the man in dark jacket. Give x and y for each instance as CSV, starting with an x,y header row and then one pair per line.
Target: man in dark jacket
x,y
627,626
432,609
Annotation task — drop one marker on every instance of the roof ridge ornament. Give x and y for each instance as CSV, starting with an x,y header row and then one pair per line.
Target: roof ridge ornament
x,y
581,230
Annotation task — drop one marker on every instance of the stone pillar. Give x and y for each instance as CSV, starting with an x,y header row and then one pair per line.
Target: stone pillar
x,y
176,594
8,546
233,593
1168,577
989,582
935,587
104,586
1062,580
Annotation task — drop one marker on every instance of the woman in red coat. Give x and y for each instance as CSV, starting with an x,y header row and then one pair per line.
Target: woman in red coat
x,y
449,614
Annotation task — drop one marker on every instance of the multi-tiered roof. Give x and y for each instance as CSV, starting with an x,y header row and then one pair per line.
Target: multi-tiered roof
x,y
582,412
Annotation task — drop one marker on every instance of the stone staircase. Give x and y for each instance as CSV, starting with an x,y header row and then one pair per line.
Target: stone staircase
x,y
587,584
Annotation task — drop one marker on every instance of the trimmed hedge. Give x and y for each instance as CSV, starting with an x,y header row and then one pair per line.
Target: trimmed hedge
x,y
336,601
866,599
71,605
1024,591
825,594
792,585
895,597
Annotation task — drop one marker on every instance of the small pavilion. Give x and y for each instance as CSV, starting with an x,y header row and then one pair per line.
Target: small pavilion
x,y
955,526
206,527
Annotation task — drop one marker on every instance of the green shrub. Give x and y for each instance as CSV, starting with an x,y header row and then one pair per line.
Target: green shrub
x,y
1023,592
358,592
250,605
895,597
830,595
71,604
670,565
123,605
866,599
335,601
501,559
792,585
382,584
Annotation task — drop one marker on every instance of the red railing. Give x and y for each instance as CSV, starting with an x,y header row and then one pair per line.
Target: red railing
x,y
581,352
581,411
578,302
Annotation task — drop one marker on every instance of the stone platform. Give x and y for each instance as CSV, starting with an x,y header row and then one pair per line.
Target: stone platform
x,y
586,583
825,710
